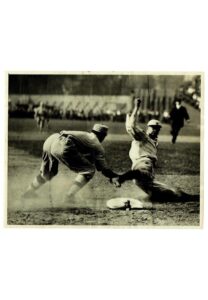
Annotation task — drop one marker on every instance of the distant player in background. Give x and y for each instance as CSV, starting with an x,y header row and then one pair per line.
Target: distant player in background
x,y
41,116
82,152
177,116
143,154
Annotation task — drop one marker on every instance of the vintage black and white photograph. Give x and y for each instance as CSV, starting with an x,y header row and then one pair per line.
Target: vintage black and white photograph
x,y
105,149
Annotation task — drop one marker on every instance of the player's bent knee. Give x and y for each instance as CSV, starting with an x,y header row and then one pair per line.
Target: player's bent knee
x,y
82,179
41,179
48,177
54,173
86,177
51,175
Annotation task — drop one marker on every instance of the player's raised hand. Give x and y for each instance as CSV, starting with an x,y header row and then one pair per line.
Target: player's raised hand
x,y
137,102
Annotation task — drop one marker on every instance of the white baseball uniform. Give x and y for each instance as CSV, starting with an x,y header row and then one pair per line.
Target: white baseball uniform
x,y
143,154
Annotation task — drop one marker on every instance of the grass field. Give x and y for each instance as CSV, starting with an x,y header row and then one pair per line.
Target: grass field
x,y
28,125
178,165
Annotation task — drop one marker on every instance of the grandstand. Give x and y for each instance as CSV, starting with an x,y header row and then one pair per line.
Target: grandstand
x,y
100,97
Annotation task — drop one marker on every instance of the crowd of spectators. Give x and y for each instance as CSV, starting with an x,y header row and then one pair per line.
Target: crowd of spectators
x,y
54,111
107,112
190,92
57,112
190,96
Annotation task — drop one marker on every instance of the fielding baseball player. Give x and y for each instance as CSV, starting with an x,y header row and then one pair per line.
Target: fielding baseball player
x,y
41,116
80,151
143,154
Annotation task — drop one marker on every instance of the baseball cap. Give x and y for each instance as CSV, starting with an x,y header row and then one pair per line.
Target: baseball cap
x,y
154,123
100,128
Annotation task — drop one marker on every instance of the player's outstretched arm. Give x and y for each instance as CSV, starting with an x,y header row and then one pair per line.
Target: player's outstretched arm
x,y
135,112
137,104
129,175
132,127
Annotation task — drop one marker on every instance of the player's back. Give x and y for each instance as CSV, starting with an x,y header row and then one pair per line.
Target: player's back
x,y
85,141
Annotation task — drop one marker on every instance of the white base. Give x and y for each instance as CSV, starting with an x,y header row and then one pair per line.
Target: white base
x,y
124,203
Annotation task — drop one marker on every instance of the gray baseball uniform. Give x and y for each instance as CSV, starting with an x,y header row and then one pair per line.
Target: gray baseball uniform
x,y
80,151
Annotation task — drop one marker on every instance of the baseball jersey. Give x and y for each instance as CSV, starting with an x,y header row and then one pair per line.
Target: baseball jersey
x,y
88,145
143,152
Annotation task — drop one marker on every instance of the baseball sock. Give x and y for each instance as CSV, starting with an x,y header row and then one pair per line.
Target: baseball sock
x,y
79,183
37,182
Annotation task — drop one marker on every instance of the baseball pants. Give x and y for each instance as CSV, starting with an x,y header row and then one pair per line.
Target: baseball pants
x,y
63,149
153,189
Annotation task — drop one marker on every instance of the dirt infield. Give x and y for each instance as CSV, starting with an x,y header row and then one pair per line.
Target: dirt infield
x,y
178,165
170,214
174,167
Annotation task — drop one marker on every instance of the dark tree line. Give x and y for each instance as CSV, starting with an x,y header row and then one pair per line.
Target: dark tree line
x,y
89,84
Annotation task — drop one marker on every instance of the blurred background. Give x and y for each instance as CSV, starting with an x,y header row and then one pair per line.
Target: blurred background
x,y
101,97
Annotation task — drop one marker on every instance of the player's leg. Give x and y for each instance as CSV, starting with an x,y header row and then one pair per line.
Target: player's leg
x,y
172,132
37,120
142,179
36,183
49,168
80,181
47,123
42,122
163,192
85,169
175,132
67,153
144,193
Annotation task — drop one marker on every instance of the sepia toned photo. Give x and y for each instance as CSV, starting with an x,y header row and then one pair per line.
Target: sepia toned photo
x,y
115,150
